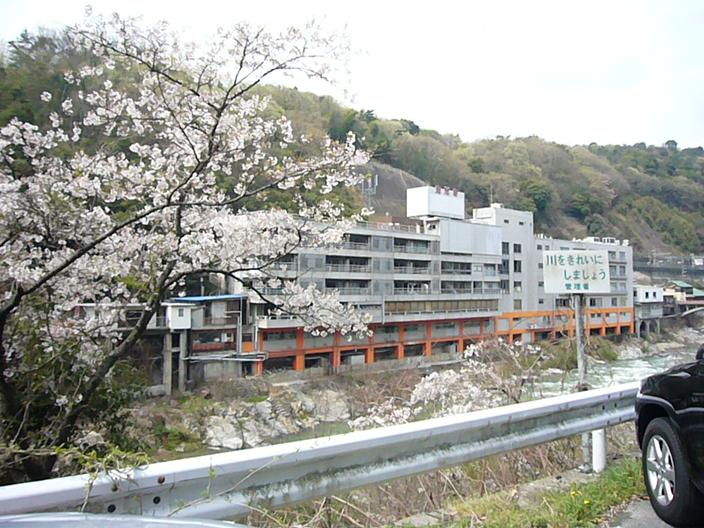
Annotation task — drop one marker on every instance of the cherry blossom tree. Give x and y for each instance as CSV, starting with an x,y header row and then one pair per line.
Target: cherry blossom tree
x,y
119,198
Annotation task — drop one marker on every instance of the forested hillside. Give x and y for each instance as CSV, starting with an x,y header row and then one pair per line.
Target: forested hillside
x,y
652,195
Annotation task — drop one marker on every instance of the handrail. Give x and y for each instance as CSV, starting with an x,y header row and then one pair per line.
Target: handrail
x,y
230,485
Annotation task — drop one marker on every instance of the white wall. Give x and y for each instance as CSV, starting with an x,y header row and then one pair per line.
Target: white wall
x,y
466,237
426,201
179,317
648,294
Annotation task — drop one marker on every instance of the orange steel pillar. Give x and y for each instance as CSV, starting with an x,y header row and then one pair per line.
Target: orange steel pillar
x,y
299,362
427,345
258,368
631,326
401,342
369,352
335,357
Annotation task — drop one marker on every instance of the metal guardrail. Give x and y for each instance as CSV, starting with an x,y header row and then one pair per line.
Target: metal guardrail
x,y
229,485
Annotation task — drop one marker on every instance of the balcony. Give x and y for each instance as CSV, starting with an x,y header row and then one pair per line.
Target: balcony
x,y
413,290
214,346
156,322
463,291
384,226
363,246
436,314
282,320
412,249
220,321
446,271
348,268
411,270
284,263
352,291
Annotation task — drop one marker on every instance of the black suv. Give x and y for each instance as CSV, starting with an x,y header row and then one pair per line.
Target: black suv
x,y
670,429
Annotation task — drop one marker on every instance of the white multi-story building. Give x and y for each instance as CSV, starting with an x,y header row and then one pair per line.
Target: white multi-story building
x,y
440,281
432,285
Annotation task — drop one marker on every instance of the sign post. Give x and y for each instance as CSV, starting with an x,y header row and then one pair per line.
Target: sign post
x,y
578,273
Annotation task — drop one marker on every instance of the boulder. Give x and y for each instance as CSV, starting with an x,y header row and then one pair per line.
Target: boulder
x,y
222,432
330,406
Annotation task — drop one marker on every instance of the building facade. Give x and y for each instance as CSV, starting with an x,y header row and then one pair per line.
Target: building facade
x,y
439,282
432,285
648,304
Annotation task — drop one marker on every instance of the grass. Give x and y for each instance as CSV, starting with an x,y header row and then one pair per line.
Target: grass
x,y
583,505
194,404
257,398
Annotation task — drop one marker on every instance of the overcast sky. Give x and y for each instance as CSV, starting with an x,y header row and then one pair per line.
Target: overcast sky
x,y
572,72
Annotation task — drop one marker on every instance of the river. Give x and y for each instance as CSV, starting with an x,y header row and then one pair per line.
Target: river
x,y
604,374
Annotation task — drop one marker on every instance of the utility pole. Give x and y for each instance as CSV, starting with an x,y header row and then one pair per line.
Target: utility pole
x,y
582,374
581,356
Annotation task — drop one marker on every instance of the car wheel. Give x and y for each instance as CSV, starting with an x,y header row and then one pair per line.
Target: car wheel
x,y
672,494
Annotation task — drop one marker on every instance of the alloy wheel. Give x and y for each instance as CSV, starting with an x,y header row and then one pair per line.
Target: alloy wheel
x,y
660,470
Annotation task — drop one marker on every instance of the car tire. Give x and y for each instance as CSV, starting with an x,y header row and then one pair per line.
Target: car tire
x,y
666,473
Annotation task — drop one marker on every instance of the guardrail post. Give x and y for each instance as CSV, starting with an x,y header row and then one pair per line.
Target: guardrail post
x,y
598,450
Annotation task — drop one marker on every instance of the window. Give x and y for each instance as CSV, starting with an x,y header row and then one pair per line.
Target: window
x,y
647,295
517,304
477,268
516,248
614,301
517,266
622,255
505,220
541,284
562,303
517,286
541,301
504,248
181,311
503,284
521,222
540,246
540,265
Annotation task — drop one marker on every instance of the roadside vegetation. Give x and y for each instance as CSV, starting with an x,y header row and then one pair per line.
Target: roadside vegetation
x,y
582,505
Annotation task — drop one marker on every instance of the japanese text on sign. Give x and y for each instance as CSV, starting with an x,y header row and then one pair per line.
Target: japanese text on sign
x,y
576,272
